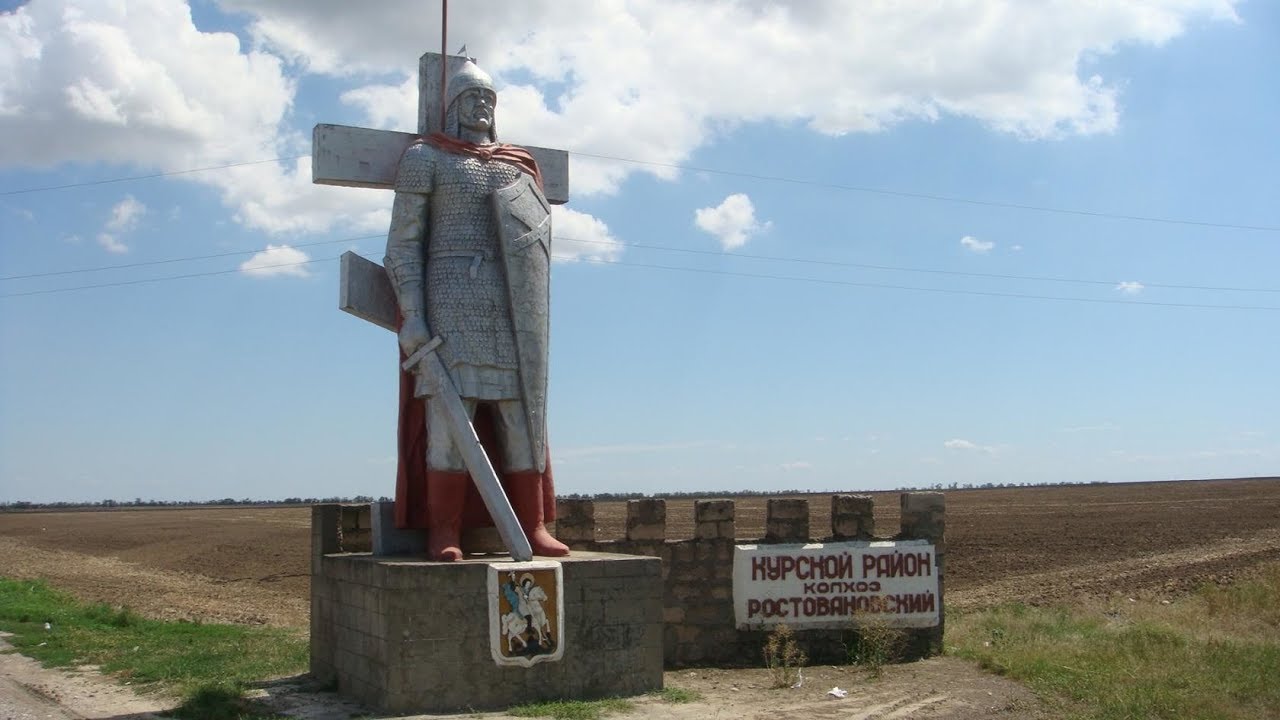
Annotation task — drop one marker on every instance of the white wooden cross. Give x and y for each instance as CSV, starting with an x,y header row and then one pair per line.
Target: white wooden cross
x,y
361,157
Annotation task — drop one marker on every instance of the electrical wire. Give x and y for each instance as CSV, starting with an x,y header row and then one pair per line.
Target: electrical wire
x,y
165,278
887,286
693,251
707,271
939,198
130,178
900,268
233,253
739,174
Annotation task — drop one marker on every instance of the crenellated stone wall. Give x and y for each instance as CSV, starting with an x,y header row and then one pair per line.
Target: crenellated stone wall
x,y
699,627
697,573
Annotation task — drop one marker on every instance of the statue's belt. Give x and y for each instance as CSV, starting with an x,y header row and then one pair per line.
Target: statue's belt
x,y
477,257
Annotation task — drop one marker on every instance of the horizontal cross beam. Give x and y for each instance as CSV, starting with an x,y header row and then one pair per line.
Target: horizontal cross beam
x,y
362,157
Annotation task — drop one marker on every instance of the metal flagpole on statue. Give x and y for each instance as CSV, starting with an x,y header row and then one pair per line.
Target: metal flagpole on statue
x,y
444,56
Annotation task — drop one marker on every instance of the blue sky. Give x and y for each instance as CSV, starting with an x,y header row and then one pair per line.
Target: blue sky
x,y
730,323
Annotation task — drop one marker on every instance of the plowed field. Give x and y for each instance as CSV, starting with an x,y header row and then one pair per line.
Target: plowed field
x,y
1032,544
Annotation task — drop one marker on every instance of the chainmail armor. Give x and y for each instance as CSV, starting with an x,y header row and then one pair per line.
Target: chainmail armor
x,y
465,285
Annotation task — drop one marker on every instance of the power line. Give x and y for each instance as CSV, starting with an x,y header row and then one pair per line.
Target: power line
x,y
233,253
166,278
899,268
886,286
693,251
152,176
940,198
758,276
740,174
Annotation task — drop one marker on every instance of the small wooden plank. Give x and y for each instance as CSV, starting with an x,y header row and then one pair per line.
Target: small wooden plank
x,y
364,290
554,165
429,89
361,157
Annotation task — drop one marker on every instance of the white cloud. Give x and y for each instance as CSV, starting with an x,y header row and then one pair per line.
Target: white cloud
x,y
138,84
276,260
1130,287
732,222
655,81
1016,248
125,214
796,465
111,243
123,219
973,244
579,236
968,446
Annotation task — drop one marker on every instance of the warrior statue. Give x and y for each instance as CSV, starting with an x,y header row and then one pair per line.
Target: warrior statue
x,y
468,255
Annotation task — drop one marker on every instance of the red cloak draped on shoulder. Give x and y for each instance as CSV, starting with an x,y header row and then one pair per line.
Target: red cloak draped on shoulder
x,y
411,508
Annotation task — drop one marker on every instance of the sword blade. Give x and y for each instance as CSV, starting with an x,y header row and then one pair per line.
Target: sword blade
x,y
473,454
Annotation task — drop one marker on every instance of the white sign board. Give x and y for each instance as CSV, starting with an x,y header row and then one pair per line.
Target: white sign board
x,y
836,585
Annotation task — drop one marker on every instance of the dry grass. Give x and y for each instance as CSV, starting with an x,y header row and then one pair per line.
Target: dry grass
x,y
875,644
783,657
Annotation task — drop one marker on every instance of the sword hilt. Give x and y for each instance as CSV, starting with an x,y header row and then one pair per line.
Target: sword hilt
x,y
412,361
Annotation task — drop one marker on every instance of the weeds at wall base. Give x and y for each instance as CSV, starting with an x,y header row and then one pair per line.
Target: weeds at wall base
x,y
783,657
874,643
573,709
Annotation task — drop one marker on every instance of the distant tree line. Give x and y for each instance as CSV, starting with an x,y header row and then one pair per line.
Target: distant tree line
x,y
140,503
603,497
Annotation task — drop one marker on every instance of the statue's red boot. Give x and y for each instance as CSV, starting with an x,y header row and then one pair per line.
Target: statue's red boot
x,y
524,489
446,493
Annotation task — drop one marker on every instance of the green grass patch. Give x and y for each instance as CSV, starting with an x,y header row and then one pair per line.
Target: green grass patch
x,y
678,696
207,665
573,709
1212,655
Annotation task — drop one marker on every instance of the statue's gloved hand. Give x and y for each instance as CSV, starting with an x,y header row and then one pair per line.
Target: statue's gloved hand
x,y
413,335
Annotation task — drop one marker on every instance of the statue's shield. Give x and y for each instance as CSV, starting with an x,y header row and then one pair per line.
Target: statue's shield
x,y
524,227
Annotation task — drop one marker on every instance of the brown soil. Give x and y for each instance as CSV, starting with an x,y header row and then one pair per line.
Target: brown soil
x,y
1039,545
223,564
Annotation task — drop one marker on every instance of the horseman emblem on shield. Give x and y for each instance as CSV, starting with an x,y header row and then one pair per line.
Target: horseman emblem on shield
x,y
526,612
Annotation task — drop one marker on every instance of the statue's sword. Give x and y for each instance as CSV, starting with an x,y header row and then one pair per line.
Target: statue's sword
x,y
473,455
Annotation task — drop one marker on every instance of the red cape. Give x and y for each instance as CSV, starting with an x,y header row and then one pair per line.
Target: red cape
x,y
411,508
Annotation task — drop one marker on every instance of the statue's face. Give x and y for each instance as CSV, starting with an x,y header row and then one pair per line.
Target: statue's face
x,y
475,109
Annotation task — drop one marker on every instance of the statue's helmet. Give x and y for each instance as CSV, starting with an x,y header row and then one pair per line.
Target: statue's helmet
x,y
467,77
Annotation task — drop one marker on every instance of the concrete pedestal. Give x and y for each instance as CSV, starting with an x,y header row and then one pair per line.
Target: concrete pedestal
x,y
404,635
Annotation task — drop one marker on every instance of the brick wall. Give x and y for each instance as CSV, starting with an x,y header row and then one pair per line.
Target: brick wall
x,y
697,573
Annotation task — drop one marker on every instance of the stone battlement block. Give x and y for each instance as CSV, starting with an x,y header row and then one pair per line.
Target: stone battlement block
x,y
713,519
576,521
786,521
647,519
852,517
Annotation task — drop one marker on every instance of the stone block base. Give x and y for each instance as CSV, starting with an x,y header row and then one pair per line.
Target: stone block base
x,y
409,636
